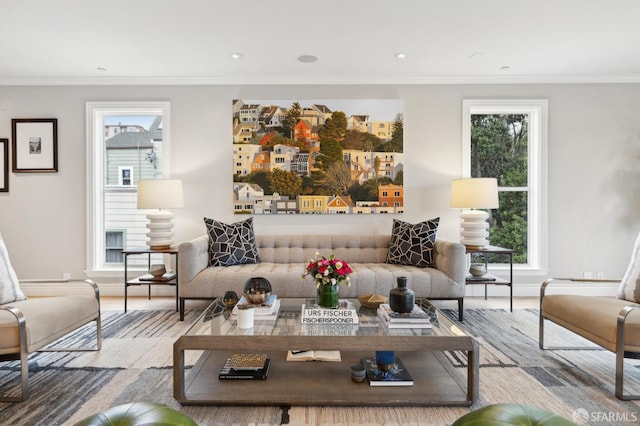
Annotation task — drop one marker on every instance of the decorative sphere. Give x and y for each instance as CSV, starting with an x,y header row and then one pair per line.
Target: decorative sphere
x,y
257,290
230,299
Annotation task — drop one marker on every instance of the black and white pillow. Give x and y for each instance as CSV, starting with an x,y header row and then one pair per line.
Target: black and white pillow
x,y
9,286
629,288
413,244
232,244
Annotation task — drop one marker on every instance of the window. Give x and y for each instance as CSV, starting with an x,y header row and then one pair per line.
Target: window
x,y
125,176
506,139
114,244
115,163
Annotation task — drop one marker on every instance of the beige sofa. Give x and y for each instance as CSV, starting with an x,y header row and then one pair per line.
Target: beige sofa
x,y
284,257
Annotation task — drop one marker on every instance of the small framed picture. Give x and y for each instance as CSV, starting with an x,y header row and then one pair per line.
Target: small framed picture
x,y
34,145
4,165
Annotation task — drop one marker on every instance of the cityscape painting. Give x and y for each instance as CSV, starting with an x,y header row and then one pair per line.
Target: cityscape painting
x,y
318,157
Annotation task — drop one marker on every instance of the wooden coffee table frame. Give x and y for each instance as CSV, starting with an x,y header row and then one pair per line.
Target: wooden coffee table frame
x,y
436,381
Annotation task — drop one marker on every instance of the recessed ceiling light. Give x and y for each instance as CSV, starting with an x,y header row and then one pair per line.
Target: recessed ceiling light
x,y
401,55
237,55
307,59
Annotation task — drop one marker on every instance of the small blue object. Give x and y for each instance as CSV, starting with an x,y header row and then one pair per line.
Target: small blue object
x,y
385,358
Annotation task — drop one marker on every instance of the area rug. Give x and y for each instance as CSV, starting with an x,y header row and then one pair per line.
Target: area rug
x,y
135,365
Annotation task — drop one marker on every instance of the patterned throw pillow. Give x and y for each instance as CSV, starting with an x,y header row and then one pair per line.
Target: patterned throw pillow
x,y
233,244
413,244
9,286
630,285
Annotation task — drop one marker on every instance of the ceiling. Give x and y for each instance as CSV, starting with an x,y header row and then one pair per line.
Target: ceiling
x,y
191,41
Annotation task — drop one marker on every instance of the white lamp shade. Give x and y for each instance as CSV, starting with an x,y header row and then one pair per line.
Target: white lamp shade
x,y
475,193
160,194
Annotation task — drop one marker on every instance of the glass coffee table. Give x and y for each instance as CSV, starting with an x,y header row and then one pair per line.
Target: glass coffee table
x,y
215,337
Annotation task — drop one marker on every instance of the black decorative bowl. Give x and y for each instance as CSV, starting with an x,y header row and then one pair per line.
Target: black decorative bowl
x,y
257,290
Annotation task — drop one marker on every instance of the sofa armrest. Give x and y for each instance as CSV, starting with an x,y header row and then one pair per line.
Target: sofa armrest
x,y
450,258
193,257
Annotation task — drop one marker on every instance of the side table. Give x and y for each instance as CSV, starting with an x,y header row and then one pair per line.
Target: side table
x,y
136,281
490,279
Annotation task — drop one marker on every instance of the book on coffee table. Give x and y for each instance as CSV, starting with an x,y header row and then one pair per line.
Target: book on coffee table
x,y
416,316
228,372
397,376
333,356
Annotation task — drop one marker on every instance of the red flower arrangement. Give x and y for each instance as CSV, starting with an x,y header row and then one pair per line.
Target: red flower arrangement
x,y
328,271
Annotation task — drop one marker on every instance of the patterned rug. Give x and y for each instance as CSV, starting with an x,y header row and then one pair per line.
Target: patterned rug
x,y
135,365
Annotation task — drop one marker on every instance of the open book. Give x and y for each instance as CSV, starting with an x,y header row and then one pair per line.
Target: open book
x,y
314,356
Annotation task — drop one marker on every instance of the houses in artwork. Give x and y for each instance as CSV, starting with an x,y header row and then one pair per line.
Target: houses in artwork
x,y
266,139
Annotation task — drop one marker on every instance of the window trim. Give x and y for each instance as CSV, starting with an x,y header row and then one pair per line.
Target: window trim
x,y
95,112
537,109
121,178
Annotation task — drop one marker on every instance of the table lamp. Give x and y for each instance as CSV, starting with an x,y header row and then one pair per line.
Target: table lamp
x,y
160,194
474,194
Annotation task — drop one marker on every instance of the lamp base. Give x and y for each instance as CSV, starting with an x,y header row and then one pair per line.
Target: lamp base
x,y
160,226
475,228
165,247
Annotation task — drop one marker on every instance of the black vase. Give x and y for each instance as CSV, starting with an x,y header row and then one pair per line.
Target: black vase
x,y
401,299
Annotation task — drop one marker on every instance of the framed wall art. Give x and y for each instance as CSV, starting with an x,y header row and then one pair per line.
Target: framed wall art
x,y
341,156
34,145
4,165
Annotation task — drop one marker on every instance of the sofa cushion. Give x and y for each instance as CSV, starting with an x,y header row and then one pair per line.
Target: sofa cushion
x,y
367,278
413,244
9,287
233,244
629,288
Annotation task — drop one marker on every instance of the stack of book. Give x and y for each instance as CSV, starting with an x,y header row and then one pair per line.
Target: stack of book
x,y
417,318
265,311
312,314
397,376
245,366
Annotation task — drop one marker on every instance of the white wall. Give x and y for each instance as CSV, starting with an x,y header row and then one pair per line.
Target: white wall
x,y
594,147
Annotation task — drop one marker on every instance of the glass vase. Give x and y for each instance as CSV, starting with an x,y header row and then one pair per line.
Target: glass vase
x,y
328,296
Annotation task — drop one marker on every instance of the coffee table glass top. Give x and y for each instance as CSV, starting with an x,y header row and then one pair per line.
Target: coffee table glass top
x,y
217,320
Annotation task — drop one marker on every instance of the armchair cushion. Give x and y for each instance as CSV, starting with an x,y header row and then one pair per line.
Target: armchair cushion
x,y
9,286
629,288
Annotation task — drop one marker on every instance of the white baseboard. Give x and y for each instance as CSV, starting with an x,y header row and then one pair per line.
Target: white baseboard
x,y
116,289
60,288
533,289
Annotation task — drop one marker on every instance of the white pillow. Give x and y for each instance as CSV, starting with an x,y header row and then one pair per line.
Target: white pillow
x,y
9,286
630,286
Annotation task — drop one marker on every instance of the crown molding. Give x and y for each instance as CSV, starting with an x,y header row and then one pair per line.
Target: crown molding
x,y
319,80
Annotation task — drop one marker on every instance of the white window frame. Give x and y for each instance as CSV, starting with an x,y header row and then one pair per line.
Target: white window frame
x,y
537,110
95,172
121,179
